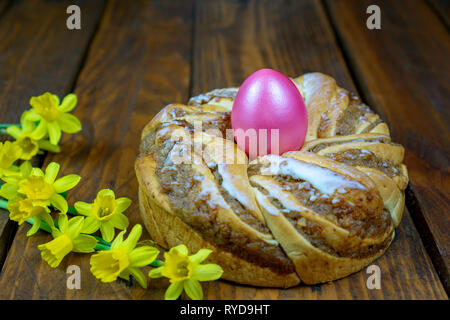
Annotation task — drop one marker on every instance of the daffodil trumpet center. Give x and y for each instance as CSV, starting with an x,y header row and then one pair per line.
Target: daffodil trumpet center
x,y
182,270
54,251
104,207
35,187
48,112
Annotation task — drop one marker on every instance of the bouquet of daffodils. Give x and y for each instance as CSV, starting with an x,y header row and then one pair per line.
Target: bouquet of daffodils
x,y
36,196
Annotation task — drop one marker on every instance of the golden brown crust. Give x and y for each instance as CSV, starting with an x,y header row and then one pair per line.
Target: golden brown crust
x,y
324,239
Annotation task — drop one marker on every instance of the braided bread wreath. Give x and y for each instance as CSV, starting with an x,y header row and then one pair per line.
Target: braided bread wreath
x,y
323,213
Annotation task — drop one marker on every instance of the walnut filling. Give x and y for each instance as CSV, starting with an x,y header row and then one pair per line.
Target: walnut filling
x,y
365,158
241,211
313,231
196,208
352,117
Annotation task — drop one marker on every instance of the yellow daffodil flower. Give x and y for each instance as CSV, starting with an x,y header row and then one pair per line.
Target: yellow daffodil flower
x,y
54,117
9,153
21,172
30,138
21,209
104,214
123,259
43,187
66,239
185,271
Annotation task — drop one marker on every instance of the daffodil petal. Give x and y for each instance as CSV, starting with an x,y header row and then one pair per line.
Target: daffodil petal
x,y
40,131
107,231
59,202
54,132
66,183
35,227
207,272
193,289
84,243
51,172
48,218
75,226
156,273
69,123
46,145
125,275
133,237
63,223
105,192
14,131
8,191
120,221
123,204
37,172
31,115
201,255
143,256
25,168
174,291
91,225
83,208
182,249
118,240
68,103
27,126
139,276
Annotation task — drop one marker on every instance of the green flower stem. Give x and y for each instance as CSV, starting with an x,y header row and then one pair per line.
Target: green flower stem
x,y
72,210
3,204
7,125
4,126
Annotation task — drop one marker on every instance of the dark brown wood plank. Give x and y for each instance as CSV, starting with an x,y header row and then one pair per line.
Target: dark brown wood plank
x,y
130,74
3,6
139,61
234,39
37,54
404,73
442,8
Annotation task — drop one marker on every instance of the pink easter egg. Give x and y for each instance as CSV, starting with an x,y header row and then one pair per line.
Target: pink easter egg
x,y
269,115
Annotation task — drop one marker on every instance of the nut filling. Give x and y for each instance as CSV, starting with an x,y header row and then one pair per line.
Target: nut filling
x,y
365,158
182,186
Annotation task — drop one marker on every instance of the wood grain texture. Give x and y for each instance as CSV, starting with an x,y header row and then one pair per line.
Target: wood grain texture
x,y
442,8
235,38
404,73
49,59
4,5
138,62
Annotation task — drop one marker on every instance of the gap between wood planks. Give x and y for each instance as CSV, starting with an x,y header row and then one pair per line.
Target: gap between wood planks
x,y
411,201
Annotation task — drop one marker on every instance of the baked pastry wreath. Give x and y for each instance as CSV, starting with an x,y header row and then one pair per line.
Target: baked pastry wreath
x,y
311,216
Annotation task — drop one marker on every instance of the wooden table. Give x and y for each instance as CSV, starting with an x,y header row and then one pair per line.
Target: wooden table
x,y
131,58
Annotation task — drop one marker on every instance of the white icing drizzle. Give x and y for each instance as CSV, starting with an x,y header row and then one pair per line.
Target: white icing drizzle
x,y
265,203
227,184
323,179
212,194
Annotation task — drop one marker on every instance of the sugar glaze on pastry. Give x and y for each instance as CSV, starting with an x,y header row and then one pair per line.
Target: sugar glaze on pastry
x,y
319,214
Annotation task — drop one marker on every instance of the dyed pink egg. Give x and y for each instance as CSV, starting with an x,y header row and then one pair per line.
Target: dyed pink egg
x,y
269,115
